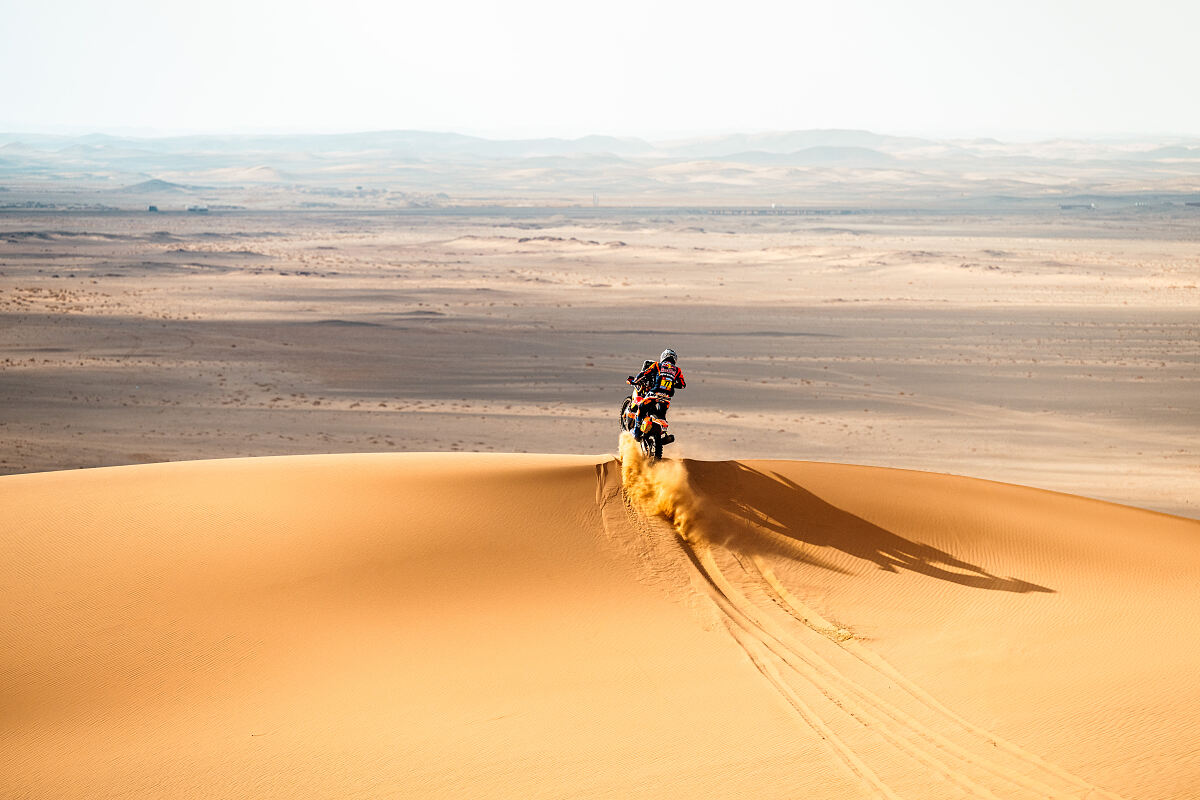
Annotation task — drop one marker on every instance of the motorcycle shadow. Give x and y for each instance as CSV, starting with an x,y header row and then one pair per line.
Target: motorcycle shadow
x,y
741,503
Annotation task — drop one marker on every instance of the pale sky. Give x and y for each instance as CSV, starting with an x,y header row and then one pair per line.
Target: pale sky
x,y
562,68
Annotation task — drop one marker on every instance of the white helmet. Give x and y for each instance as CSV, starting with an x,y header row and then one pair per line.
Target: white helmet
x,y
668,355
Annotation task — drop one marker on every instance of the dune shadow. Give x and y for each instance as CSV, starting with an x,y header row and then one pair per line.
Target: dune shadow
x,y
775,503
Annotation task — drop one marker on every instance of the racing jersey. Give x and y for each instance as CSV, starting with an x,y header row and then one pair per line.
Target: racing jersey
x,y
662,379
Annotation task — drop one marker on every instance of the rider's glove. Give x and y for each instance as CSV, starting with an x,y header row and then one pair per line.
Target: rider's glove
x,y
629,380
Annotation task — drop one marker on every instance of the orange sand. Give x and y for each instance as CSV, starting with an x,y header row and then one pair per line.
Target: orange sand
x,y
506,626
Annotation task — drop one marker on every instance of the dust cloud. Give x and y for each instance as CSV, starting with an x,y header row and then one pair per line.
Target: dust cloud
x,y
660,488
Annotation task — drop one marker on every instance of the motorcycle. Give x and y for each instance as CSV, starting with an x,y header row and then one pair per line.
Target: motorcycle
x,y
654,424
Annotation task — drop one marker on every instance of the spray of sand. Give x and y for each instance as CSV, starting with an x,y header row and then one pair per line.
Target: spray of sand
x,y
659,488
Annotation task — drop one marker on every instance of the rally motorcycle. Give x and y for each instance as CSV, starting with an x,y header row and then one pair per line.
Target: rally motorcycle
x,y
654,426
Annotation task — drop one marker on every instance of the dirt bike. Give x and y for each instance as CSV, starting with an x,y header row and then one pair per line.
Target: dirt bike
x,y
654,426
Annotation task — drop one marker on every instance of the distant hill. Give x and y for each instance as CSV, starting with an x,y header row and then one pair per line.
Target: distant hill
x,y
153,186
1178,151
822,155
783,142
412,144
417,169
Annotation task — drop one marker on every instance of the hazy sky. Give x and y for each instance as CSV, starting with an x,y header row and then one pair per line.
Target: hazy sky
x,y
656,69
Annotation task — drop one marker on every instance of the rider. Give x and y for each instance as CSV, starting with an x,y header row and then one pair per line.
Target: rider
x,y
662,378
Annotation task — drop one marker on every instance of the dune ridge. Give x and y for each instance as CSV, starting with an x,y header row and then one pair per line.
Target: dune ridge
x,y
547,626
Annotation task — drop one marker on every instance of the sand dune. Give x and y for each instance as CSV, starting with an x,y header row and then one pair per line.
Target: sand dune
x,y
521,626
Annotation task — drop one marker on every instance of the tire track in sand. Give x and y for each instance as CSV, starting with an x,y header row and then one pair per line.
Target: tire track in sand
x,y
971,771
656,548
894,738
803,614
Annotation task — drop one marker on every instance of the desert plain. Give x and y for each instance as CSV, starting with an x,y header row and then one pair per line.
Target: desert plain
x,y
331,502
1057,350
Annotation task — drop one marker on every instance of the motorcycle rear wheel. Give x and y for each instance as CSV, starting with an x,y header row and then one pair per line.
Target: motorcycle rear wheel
x,y
652,446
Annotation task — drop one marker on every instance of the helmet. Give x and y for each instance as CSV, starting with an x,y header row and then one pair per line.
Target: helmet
x,y
668,355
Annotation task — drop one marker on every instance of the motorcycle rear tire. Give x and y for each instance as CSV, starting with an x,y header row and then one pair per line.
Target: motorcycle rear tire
x,y
652,446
